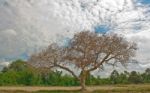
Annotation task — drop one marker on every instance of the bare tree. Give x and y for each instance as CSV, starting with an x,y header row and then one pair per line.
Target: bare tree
x,y
87,51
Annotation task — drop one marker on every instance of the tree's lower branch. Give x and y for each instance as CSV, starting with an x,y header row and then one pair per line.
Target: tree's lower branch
x,y
67,69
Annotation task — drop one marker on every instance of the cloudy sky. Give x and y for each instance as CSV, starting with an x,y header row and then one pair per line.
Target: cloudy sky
x,y
27,26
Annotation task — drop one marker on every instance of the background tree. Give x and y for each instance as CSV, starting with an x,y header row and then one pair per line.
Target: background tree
x,y
135,77
114,77
19,73
86,52
146,76
123,79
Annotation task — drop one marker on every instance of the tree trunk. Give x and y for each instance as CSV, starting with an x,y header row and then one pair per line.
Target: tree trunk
x,y
83,86
82,80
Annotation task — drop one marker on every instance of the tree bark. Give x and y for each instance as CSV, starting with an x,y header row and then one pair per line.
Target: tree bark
x,y
83,86
83,76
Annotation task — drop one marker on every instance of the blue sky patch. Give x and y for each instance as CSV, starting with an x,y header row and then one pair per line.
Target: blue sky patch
x,y
137,27
101,29
24,56
144,1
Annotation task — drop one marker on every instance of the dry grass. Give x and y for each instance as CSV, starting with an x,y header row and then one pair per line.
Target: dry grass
x,y
144,88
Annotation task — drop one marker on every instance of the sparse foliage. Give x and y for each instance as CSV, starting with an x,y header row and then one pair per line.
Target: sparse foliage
x,y
86,51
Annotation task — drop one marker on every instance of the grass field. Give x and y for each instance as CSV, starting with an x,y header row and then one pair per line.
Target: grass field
x,y
91,89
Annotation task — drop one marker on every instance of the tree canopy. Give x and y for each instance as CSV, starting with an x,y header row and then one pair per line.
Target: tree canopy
x,y
86,51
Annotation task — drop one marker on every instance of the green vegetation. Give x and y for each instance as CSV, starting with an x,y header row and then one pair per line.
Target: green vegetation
x,y
19,73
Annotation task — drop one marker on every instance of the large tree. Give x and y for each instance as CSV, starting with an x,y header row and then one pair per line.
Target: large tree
x,y
87,52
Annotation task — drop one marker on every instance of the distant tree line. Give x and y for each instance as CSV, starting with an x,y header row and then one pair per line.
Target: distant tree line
x,y
21,73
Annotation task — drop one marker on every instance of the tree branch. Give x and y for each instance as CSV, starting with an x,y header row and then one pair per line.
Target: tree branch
x,y
67,69
96,66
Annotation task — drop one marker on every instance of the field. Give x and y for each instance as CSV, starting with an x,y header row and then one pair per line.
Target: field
x,y
91,89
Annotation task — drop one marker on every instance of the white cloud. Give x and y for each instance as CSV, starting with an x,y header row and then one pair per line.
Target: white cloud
x,y
28,25
25,27
143,40
4,64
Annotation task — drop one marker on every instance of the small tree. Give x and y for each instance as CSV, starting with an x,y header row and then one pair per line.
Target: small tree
x,y
87,52
146,75
114,77
135,77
